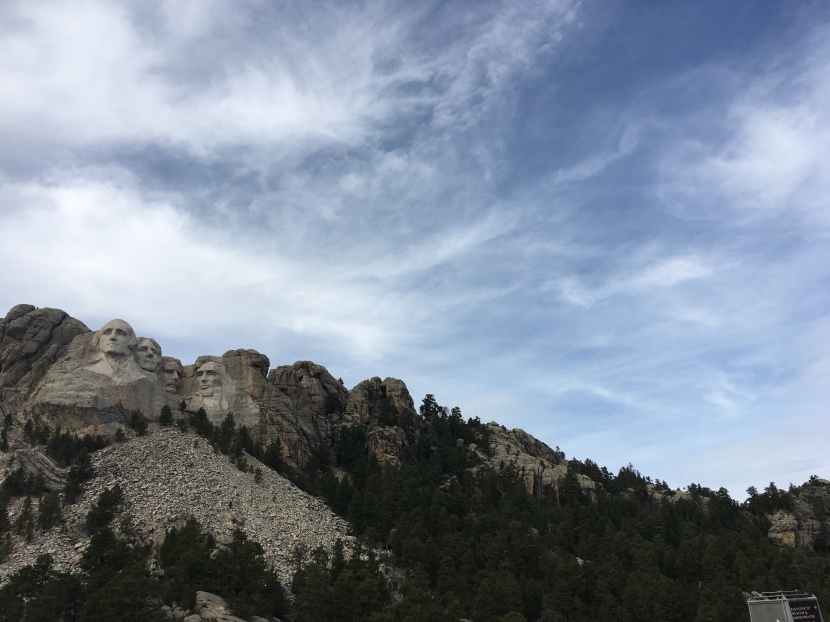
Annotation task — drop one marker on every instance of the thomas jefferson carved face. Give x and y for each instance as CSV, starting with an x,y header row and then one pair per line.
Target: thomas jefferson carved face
x,y
148,354
210,380
171,371
116,339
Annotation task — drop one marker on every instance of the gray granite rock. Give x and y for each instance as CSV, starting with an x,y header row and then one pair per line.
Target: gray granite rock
x,y
167,476
29,334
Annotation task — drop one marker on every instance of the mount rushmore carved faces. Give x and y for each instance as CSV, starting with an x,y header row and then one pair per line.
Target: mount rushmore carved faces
x,y
116,341
148,354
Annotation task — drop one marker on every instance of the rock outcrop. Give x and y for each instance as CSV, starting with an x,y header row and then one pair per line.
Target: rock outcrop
x,y
212,608
385,409
314,396
658,494
243,386
784,530
35,463
808,523
381,402
54,370
310,388
536,464
386,444
30,339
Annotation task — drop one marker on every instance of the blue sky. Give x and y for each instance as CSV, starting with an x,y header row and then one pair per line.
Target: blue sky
x,y
604,223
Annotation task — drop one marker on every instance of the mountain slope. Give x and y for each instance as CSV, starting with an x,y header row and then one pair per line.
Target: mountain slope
x,y
167,476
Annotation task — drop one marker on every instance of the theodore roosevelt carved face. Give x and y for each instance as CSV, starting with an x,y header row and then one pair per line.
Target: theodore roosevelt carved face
x,y
171,372
148,354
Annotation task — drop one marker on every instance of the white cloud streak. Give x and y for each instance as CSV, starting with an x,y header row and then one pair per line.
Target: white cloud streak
x,y
84,73
665,272
768,156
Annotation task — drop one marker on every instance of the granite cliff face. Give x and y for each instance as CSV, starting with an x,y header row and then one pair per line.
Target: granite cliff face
x,y
807,523
313,396
54,369
30,340
386,410
536,464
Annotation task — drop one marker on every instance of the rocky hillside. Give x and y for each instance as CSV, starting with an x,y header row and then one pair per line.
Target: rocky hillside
x,y
167,476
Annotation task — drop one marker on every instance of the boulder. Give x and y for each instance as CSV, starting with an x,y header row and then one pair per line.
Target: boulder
x,y
213,608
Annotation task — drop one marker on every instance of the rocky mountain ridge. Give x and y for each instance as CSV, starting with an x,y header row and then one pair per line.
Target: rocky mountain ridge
x,y
46,376
45,355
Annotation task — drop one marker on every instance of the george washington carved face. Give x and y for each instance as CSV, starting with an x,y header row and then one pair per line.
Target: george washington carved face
x,y
148,354
116,339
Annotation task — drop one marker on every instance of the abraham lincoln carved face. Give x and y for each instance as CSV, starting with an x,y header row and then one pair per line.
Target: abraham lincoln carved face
x,y
210,379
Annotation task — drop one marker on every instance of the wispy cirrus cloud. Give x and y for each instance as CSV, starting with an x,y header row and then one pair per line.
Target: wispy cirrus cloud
x,y
663,273
767,155
163,77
